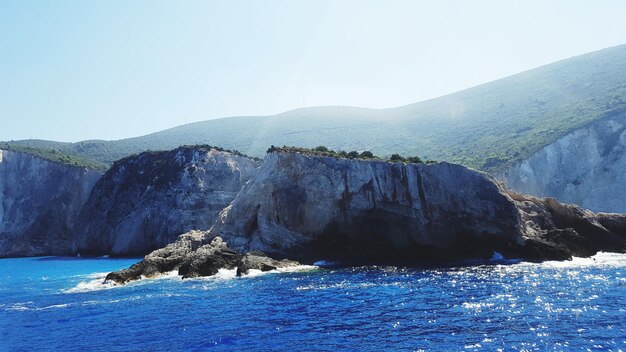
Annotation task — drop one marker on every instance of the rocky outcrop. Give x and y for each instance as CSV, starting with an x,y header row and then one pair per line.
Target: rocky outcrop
x,y
145,201
586,167
196,254
554,230
257,260
311,207
308,207
40,201
172,256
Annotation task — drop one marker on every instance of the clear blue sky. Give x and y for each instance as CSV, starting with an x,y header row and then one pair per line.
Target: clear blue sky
x,y
74,70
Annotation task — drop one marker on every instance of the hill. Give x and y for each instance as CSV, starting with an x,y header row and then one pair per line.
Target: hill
x,y
490,126
54,151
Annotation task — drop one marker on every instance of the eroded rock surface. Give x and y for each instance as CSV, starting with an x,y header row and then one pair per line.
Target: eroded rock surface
x,y
39,204
586,167
196,254
310,207
257,260
145,201
553,230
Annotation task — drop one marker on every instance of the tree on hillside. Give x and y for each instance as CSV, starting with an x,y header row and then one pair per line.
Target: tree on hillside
x,y
396,158
367,154
353,154
415,160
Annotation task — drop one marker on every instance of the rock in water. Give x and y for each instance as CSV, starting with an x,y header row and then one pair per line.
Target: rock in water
x,y
196,254
39,203
145,201
163,260
208,259
257,260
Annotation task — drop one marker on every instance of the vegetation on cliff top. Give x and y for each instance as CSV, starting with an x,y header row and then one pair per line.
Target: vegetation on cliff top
x,y
367,155
55,155
205,147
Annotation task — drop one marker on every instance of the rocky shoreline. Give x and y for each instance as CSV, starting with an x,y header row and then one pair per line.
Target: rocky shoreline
x,y
309,207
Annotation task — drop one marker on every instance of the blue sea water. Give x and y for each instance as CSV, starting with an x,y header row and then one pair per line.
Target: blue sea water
x,y
60,304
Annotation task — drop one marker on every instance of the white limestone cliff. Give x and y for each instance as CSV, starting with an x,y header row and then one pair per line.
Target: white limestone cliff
x,y
586,167
40,201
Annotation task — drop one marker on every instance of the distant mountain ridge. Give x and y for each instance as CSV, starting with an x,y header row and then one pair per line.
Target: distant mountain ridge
x,y
490,127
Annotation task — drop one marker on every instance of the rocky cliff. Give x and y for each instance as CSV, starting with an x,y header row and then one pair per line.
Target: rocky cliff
x,y
40,201
308,207
145,201
312,207
586,167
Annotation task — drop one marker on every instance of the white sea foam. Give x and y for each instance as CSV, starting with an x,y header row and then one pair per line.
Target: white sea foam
x,y
168,275
24,306
95,284
256,272
225,274
54,306
229,274
289,269
101,275
20,306
96,280
604,259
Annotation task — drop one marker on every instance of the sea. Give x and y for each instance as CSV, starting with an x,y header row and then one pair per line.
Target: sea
x,y
62,304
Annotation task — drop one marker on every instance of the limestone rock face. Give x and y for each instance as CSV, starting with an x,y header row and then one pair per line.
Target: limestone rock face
x,y
310,207
586,167
40,201
145,201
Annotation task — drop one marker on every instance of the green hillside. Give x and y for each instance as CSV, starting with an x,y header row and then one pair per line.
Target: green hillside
x,y
487,127
46,151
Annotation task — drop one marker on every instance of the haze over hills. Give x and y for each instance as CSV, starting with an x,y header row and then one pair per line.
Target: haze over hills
x,y
491,126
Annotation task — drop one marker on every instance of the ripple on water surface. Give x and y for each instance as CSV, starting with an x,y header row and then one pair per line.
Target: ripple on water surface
x,y
62,304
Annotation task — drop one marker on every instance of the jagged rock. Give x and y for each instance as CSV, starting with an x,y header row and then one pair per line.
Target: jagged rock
x,y
145,201
162,260
567,230
257,260
196,254
39,204
208,259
